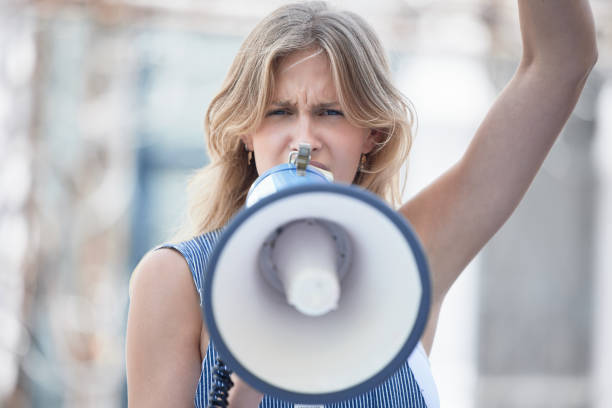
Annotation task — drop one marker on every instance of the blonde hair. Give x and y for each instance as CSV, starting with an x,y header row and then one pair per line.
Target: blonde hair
x,y
363,80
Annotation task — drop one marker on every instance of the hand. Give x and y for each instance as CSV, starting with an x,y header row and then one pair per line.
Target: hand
x,y
242,395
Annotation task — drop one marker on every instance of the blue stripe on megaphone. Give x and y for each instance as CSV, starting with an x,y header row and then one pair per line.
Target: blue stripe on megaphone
x,y
281,177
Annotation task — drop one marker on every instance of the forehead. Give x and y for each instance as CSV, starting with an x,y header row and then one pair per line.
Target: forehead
x,y
306,70
299,57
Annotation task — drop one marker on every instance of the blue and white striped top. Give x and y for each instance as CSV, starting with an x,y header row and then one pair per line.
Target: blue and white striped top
x,y
403,389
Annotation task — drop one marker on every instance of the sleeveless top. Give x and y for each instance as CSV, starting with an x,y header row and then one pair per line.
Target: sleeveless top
x,y
402,389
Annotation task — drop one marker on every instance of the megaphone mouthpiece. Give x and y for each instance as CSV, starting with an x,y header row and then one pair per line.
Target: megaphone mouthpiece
x,y
313,293
305,257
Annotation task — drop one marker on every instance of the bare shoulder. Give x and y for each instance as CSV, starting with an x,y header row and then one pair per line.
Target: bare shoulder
x,y
162,287
159,268
163,332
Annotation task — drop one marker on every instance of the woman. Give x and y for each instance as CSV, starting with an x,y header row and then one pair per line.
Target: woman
x,y
310,74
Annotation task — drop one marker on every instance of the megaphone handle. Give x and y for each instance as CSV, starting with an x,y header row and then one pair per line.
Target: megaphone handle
x,y
221,385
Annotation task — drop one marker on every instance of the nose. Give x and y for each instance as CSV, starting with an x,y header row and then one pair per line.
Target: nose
x,y
304,131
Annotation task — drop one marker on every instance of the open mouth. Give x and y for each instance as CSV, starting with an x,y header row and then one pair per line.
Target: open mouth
x,y
319,165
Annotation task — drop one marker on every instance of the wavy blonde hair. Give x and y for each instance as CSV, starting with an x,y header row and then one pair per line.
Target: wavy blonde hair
x,y
363,81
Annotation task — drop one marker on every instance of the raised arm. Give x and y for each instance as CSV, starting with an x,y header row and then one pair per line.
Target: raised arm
x,y
459,212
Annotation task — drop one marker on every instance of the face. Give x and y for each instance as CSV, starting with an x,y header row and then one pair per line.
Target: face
x,y
305,109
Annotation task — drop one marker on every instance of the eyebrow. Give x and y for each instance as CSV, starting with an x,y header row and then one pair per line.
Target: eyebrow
x,y
287,104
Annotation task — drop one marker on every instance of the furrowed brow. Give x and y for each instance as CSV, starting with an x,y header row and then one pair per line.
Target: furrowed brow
x,y
327,105
287,104
283,104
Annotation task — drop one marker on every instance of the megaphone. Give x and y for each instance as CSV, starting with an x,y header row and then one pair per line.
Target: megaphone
x,y
316,292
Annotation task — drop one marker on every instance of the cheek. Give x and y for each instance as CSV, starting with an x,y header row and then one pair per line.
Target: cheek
x,y
349,154
270,145
270,149
346,164
351,147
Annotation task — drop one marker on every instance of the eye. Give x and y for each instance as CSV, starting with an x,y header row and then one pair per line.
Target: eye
x,y
278,112
331,112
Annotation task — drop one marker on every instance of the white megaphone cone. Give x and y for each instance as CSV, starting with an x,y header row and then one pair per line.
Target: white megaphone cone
x,y
316,292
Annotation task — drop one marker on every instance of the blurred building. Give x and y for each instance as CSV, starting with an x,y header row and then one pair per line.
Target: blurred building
x,y
101,111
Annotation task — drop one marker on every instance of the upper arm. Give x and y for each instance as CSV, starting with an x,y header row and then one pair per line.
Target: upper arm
x,y
163,333
459,212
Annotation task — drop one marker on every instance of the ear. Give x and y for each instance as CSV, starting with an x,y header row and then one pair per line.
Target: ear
x,y
374,136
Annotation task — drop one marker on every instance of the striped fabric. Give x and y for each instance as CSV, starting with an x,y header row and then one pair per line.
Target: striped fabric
x,y
399,390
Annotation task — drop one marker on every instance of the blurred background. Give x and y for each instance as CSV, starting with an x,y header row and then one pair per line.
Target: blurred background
x,y
101,111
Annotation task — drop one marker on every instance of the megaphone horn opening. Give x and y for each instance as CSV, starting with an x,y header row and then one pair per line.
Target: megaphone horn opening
x,y
305,260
